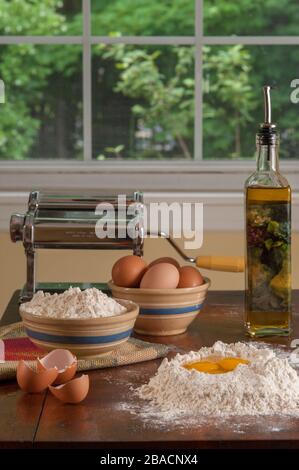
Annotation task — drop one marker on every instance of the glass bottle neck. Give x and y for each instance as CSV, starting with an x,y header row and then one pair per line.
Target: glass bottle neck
x,y
267,158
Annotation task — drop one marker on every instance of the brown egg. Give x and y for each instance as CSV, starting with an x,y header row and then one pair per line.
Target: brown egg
x,y
160,276
128,271
32,381
64,361
166,259
72,392
190,277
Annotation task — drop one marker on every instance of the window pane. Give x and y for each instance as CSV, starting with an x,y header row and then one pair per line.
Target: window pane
x,y
38,18
143,18
251,17
233,101
42,114
143,102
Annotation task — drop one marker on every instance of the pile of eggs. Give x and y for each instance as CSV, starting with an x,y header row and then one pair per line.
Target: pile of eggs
x,y
162,273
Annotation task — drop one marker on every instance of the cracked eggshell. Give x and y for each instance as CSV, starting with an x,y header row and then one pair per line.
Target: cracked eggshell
x,y
72,392
32,381
64,361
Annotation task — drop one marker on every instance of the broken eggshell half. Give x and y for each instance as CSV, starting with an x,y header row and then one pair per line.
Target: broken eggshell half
x,y
63,360
32,381
73,391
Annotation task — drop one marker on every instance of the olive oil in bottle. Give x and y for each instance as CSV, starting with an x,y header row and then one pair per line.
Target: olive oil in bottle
x,y
268,238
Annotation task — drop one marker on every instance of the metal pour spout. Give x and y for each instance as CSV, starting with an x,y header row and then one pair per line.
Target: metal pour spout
x,y
267,133
267,104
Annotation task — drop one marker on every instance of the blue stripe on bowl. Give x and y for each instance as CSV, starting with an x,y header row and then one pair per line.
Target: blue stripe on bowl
x,y
78,339
170,311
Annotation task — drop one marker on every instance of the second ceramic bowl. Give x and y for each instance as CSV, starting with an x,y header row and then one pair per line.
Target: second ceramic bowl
x,y
164,312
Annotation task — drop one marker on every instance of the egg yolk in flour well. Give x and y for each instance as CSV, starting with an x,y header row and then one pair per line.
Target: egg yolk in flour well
x,y
216,366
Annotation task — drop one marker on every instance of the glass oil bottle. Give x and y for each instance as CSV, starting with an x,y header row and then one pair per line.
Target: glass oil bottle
x,y
268,237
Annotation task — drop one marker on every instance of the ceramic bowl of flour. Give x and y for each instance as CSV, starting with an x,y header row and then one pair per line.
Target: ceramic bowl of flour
x,y
164,312
85,336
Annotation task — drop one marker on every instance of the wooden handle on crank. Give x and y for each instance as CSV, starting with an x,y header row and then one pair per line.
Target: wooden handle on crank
x,y
233,264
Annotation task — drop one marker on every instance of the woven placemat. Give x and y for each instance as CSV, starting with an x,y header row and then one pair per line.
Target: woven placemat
x,y
18,346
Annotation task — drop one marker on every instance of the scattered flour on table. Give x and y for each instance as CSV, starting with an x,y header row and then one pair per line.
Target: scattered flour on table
x,y
73,303
268,385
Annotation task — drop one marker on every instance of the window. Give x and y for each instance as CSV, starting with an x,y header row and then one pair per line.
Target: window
x,y
96,81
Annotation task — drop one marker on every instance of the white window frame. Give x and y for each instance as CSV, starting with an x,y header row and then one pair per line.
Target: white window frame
x,y
66,175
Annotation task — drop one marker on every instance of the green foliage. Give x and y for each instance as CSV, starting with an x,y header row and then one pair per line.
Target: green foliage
x,y
167,102
275,65
23,17
143,18
24,71
251,17
24,82
224,95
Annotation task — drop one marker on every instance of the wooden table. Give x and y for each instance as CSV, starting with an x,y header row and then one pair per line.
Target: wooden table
x,y
104,419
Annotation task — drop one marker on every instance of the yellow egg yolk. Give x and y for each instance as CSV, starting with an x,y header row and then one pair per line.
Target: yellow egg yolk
x,y
203,366
230,363
220,366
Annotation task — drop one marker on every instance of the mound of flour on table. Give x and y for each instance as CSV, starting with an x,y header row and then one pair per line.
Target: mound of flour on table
x,y
267,385
73,303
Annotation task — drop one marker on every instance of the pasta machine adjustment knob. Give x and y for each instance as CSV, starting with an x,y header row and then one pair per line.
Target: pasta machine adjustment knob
x,y
16,227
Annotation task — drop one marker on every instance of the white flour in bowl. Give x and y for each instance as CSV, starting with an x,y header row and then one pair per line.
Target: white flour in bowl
x,y
268,385
73,303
